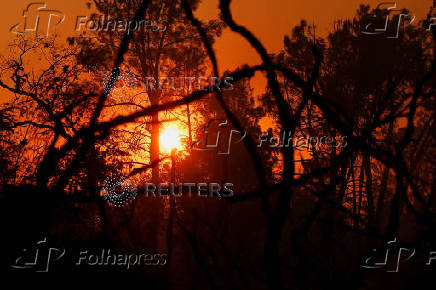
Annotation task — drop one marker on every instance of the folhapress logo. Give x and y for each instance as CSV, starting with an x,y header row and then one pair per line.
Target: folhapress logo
x,y
224,128
39,258
38,19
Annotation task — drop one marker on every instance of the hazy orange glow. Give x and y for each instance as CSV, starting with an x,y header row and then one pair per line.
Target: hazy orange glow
x,y
170,139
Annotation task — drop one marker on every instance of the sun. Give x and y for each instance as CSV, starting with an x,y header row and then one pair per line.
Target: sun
x,y
170,139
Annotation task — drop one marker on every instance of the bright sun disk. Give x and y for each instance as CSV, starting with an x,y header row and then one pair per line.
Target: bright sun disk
x,y
169,139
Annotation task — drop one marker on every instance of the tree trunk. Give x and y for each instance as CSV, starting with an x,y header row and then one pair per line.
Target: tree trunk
x,y
383,187
171,217
154,149
92,171
368,186
188,114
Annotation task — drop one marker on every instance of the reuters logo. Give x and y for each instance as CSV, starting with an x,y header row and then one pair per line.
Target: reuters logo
x,y
118,190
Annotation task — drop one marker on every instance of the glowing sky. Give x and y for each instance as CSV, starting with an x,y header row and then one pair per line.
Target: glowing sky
x,y
270,20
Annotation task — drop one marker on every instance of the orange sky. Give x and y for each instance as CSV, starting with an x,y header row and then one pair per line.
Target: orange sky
x,y
269,20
